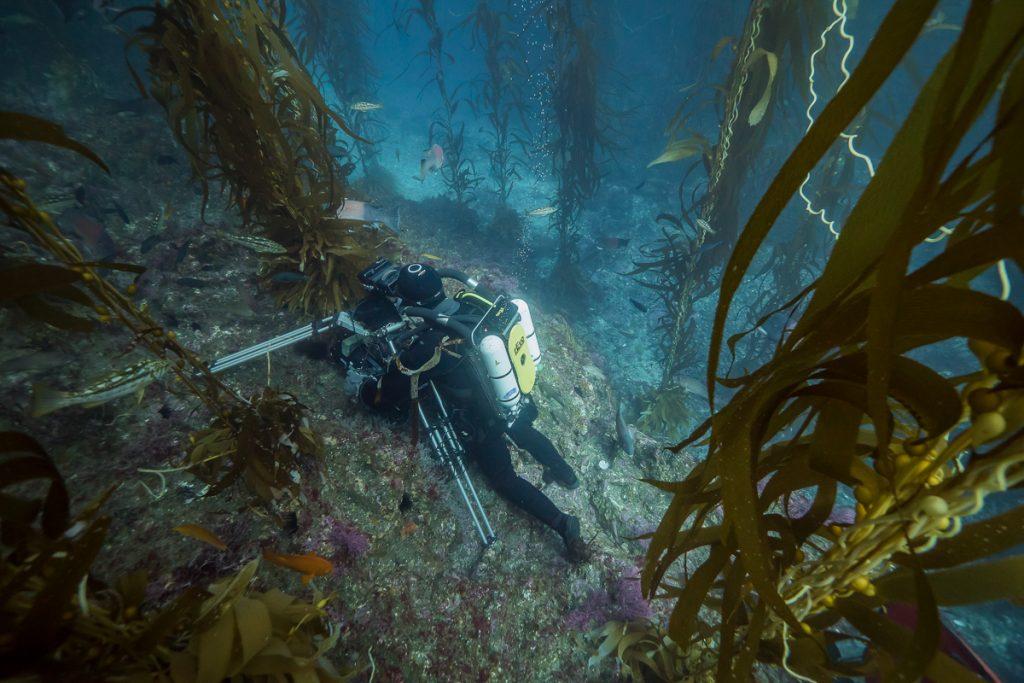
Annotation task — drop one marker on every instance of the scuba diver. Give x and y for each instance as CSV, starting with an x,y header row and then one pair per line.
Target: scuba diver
x,y
439,356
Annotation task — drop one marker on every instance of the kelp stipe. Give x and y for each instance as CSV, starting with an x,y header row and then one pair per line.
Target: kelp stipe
x,y
332,39
574,150
842,403
683,266
499,95
244,108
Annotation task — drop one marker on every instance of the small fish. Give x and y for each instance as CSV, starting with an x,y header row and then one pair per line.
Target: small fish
x,y
94,236
201,533
309,565
131,380
639,306
366,106
705,226
542,211
430,161
625,432
57,202
119,210
149,243
615,242
398,156
260,245
364,212
194,283
694,386
642,183
432,257
18,19
181,253
407,529
165,160
288,277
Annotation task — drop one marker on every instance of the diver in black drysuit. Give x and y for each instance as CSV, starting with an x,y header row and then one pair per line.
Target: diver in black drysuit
x,y
483,432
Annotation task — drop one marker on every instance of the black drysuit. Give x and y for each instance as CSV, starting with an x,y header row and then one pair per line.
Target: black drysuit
x,y
484,434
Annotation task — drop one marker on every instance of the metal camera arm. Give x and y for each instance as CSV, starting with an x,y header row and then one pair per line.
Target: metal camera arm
x,y
338,320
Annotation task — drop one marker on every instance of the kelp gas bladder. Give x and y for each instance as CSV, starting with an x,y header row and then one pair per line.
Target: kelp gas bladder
x,y
844,405
242,105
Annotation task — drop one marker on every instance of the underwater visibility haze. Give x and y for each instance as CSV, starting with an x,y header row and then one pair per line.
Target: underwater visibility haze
x,y
511,340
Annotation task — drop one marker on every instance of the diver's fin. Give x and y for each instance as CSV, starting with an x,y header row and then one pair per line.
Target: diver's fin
x,y
46,399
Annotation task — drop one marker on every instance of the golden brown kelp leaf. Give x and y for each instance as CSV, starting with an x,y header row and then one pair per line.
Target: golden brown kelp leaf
x,y
245,633
59,623
243,106
28,128
263,441
757,113
842,404
644,654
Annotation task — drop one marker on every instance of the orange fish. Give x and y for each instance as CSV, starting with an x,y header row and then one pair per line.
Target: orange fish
x,y
201,533
407,529
309,565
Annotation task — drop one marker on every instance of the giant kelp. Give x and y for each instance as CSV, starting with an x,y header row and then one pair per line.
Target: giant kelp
x,y
63,289
682,267
60,622
458,172
244,108
845,403
332,41
499,94
574,149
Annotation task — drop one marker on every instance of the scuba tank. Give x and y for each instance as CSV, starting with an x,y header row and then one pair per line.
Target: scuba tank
x,y
503,341
501,375
526,320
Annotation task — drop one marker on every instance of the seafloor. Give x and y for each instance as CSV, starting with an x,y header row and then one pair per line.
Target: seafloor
x,y
414,590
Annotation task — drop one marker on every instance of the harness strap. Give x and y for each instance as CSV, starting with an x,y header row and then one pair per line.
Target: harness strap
x,y
414,377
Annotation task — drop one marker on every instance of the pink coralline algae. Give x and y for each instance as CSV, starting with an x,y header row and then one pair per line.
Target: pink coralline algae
x,y
592,612
625,602
630,603
337,540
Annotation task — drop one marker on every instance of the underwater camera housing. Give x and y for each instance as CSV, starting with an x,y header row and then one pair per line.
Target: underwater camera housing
x,y
381,277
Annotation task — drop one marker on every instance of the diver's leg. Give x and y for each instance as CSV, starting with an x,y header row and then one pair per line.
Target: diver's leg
x,y
494,459
544,452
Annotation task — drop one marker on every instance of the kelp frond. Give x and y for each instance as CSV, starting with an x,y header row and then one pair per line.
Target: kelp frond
x,y
58,622
243,106
845,404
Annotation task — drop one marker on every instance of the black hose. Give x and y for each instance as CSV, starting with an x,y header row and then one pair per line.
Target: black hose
x,y
435,318
454,275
